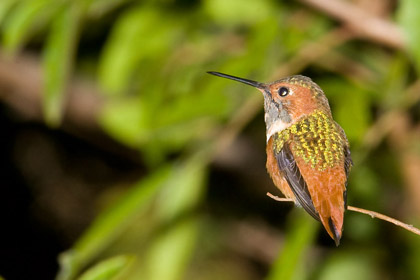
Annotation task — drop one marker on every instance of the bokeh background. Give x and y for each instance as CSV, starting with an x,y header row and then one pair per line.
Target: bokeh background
x,y
122,159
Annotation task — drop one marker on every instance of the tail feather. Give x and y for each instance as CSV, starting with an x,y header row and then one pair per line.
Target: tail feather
x,y
335,234
333,224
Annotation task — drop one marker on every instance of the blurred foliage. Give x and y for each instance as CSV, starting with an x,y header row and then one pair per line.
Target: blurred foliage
x,y
149,61
300,237
409,17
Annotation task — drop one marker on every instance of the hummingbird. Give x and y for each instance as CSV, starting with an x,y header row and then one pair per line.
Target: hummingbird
x,y
308,154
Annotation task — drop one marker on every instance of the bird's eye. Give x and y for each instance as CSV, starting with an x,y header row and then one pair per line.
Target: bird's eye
x,y
283,91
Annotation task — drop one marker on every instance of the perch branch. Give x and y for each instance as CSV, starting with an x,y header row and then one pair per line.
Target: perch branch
x,y
373,214
377,215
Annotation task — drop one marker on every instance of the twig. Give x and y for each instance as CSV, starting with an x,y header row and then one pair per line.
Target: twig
x,y
377,215
373,214
282,199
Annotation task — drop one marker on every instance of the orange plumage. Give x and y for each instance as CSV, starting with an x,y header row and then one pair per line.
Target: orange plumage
x,y
274,171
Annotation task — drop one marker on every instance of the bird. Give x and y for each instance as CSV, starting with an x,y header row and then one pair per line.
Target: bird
x,y
308,153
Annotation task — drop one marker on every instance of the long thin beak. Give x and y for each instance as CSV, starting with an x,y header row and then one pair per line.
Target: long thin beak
x,y
242,80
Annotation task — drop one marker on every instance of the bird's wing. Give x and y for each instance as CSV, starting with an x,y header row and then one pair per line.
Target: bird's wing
x,y
348,162
288,166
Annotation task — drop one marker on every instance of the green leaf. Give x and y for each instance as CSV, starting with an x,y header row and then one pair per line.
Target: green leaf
x,y
353,115
100,7
27,17
110,269
138,34
238,11
395,80
5,7
299,237
170,252
108,225
408,17
174,248
350,106
59,54
128,121
134,122
345,265
185,190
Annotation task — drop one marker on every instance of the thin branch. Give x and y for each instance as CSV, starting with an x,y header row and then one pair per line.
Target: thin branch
x,y
377,215
373,214
281,199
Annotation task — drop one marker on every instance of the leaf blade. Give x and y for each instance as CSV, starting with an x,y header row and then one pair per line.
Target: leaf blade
x,y
109,224
59,54
408,18
23,20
